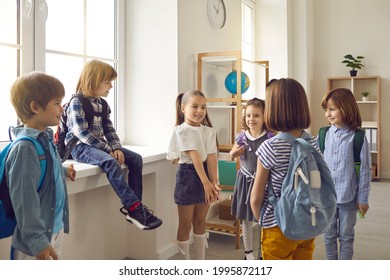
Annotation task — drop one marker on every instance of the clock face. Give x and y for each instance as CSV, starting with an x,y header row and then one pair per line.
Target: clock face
x,y
216,12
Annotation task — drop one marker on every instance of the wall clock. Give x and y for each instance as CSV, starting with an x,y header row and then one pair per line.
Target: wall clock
x,y
216,12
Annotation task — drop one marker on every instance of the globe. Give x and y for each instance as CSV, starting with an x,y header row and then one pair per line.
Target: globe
x,y
231,82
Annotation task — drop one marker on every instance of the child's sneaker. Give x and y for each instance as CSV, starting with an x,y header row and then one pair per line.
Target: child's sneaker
x,y
142,217
249,255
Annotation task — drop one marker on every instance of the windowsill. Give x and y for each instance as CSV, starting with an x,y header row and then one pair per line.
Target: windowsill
x,y
100,231
149,155
89,177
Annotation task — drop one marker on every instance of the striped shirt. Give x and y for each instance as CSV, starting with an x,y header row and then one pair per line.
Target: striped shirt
x,y
103,138
338,154
274,154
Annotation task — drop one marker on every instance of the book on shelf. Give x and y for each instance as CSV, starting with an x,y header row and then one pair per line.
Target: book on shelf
x,y
369,124
373,140
371,136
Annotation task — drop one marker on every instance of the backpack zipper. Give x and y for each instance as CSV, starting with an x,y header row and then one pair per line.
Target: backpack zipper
x,y
299,172
313,216
313,210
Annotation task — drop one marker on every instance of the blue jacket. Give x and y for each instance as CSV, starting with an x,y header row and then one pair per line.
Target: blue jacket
x,y
34,211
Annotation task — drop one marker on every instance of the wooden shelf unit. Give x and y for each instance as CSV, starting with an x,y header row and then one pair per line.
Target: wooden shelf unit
x,y
228,61
369,110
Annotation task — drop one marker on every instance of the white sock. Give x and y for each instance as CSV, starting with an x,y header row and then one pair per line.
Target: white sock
x,y
200,245
247,237
184,248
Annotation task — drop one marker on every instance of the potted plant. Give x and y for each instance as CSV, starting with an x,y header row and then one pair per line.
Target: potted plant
x,y
354,63
365,95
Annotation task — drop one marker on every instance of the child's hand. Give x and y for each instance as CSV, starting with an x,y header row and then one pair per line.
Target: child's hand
x,y
363,208
217,190
211,195
239,151
47,254
118,155
71,172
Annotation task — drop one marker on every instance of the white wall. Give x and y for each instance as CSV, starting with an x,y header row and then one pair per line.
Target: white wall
x,y
358,27
303,39
307,40
272,36
162,38
197,36
151,71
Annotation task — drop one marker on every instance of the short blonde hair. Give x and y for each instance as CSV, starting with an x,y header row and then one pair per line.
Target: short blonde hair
x,y
35,86
94,73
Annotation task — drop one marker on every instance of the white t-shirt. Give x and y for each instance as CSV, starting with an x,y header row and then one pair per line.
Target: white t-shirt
x,y
186,138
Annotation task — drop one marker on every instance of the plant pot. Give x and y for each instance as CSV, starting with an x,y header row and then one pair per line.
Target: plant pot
x,y
353,73
365,98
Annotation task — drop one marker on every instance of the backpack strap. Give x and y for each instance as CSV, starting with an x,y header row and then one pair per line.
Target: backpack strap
x,y
321,137
90,112
42,162
4,189
357,148
41,156
104,112
87,107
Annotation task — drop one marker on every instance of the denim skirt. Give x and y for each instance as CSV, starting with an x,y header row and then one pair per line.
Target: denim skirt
x,y
189,189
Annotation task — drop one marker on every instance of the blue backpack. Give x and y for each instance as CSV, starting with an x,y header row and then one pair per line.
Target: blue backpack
x,y
308,201
7,214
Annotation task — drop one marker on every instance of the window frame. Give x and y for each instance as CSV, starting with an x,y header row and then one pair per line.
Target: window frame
x,y
252,5
32,51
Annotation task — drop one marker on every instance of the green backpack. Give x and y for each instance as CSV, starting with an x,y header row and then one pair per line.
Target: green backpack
x,y
357,145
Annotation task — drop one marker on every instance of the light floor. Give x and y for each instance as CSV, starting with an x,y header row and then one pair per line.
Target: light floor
x,y
371,239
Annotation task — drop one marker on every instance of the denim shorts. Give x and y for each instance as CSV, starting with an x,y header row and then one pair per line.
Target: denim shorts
x,y
189,189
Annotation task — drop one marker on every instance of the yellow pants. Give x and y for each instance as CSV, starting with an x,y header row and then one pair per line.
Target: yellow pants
x,y
275,246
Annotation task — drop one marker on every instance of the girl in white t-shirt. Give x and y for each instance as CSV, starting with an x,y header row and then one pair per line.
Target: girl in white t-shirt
x,y
194,146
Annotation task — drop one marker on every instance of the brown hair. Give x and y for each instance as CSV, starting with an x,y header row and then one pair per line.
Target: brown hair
x,y
35,86
255,102
344,100
94,73
286,106
181,101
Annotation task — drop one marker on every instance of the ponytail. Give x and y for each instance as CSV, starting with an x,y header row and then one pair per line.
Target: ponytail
x,y
179,102
179,113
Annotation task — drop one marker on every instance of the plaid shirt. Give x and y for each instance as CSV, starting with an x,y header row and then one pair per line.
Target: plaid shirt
x,y
103,138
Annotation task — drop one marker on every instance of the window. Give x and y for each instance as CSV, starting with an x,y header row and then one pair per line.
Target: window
x,y
248,32
248,46
10,55
65,34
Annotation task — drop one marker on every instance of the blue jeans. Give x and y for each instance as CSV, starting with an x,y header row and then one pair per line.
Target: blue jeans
x,y
129,192
343,228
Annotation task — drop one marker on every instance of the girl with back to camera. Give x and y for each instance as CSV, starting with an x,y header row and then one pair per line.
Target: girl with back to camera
x,y
286,110
343,114
194,146
247,143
